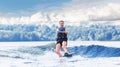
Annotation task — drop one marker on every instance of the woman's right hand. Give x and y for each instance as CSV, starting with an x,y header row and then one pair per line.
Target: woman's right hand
x,y
66,32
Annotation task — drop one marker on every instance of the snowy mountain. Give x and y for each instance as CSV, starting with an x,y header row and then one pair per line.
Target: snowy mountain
x,y
44,32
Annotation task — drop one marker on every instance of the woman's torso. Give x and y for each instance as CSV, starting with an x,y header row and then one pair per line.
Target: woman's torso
x,y
61,35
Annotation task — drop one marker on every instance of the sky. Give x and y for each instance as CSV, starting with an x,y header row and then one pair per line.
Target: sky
x,y
20,5
37,11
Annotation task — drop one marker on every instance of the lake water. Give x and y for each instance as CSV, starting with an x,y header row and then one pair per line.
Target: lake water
x,y
42,54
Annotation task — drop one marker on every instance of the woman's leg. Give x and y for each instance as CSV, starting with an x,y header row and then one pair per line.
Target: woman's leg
x,y
64,46
58,46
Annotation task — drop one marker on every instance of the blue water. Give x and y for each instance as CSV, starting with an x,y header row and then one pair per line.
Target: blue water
x,y
84,51
21,55
95,51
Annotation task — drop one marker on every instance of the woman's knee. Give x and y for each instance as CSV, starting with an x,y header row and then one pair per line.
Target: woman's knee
x,y
64,43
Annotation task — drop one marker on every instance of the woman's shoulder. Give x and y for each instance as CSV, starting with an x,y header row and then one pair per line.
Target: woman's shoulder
x,y
61,27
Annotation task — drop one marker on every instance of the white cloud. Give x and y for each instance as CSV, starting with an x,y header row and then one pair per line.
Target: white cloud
x,y
72,12
106,11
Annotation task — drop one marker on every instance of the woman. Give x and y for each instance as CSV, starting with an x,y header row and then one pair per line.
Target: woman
x,y
62,39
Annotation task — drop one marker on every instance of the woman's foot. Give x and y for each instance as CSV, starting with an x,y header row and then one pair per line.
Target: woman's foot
x,y
67,55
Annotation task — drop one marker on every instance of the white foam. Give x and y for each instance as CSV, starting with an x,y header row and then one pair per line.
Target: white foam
x,y
61,62
87,43
70,43
50,59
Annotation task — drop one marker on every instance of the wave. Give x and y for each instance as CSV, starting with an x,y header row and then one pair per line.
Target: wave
x,y
95,51
31,52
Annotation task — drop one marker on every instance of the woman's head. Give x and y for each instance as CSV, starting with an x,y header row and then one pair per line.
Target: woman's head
x,y
61,23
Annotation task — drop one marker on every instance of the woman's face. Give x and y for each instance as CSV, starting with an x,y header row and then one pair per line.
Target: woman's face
x,y
61,24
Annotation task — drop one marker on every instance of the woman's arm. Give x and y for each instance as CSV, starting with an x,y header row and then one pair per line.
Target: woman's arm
x,y
65,31
60,31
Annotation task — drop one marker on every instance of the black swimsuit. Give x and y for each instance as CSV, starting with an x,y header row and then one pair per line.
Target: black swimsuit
x,y
61,36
